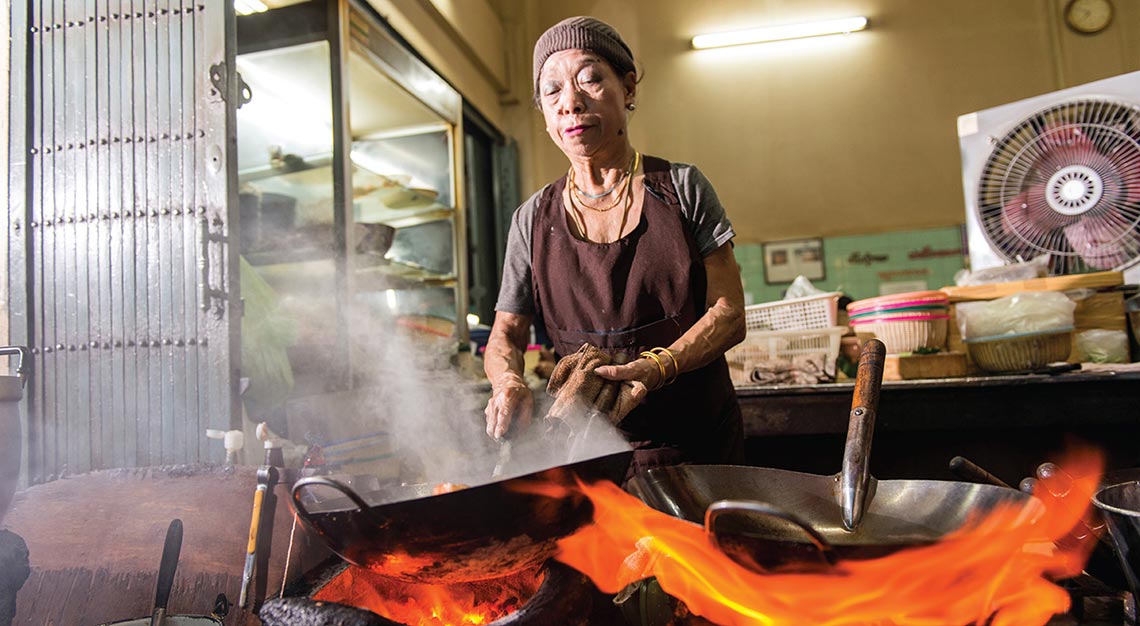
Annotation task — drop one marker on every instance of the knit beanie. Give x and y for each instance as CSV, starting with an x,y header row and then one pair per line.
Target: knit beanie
x,y
583,33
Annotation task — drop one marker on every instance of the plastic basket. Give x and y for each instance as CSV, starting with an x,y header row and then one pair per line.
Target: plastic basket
x,y
761,346
796,313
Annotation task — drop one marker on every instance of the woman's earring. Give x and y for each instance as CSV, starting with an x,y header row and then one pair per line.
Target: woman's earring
x,y
631,106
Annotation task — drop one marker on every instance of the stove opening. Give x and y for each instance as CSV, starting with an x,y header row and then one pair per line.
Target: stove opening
x,y
458,604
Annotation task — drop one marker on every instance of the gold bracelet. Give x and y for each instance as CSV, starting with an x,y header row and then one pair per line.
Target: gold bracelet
x,y
660,366
676,366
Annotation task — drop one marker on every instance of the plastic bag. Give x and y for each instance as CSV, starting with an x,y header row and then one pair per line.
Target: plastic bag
x,y
1034,268
801,287
1102,346
1025,312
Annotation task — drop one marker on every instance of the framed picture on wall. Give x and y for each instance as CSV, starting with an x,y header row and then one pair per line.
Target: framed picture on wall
x,y
784,260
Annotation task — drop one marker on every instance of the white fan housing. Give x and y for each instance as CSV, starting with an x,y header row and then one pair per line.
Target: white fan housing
x,y
1056,174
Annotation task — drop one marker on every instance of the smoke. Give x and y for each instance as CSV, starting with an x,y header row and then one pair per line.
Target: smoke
x,y
416,417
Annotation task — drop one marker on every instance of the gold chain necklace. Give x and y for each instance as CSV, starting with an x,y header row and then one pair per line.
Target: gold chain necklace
x,y
627,177
575,210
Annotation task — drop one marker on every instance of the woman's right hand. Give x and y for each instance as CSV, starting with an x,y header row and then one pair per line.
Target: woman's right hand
x,y
511,402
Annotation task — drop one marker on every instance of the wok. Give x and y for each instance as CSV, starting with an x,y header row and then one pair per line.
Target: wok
x,y
849,515
476,533
1119,503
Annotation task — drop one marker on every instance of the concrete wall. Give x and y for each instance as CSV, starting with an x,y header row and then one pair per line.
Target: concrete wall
x,y
831,136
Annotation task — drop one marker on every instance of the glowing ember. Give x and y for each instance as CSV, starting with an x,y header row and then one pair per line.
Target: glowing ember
x,y
466,604
996,570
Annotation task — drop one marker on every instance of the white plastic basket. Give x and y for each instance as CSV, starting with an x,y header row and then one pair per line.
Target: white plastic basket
x,y
761,346
797,313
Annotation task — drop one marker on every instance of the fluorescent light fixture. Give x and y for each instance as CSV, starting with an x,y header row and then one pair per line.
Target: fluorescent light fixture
x,y
248,7
780,33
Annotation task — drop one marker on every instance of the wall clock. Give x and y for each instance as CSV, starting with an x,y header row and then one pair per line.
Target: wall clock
x,y
1088,16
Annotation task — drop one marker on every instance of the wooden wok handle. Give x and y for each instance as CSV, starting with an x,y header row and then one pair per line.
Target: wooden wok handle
x,y
855,476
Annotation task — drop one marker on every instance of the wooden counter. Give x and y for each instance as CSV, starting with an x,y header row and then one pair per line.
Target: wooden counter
x,y
1007,424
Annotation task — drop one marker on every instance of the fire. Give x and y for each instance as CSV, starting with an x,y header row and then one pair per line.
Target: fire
x,y
995,570
466,604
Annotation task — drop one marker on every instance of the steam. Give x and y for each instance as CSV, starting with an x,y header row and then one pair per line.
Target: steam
x,y
430,421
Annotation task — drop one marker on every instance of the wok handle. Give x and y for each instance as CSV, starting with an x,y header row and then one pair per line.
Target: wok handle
x,y
322,481
720,507
855,476
968,470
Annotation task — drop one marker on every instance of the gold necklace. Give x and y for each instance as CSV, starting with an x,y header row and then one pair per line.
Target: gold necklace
x,y
627,177
580,222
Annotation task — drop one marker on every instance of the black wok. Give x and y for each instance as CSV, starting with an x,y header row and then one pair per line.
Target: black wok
x,y
476,533
772,517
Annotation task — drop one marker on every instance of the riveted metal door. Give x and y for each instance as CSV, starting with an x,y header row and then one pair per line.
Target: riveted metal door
x,y
119,214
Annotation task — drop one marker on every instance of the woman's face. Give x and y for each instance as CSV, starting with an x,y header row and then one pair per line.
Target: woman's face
x,y
583,102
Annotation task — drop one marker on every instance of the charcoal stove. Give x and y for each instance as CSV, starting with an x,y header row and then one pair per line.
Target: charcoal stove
x,y
564,597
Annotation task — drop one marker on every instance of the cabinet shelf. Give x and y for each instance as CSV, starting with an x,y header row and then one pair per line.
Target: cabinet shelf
x,y
399,276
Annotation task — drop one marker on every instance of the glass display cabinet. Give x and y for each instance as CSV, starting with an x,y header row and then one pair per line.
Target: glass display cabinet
x,y
351,223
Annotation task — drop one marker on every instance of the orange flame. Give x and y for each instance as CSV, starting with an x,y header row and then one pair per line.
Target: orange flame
x,y
994,570
461,604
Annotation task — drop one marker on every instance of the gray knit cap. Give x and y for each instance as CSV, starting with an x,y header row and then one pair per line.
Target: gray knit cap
x,y
583,33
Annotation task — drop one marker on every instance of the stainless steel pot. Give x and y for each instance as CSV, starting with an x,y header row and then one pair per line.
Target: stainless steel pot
x,y
11,392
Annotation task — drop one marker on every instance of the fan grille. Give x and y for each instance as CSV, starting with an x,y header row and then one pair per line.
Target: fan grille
x,y
1066,181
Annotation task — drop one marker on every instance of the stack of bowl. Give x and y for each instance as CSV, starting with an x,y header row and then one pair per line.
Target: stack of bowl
x,y
905,322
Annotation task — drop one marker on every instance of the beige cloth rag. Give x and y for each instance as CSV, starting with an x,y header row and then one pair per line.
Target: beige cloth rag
x,y
577,389
799,370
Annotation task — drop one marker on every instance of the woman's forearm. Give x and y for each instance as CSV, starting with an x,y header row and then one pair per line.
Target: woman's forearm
x,y
722,326
505,346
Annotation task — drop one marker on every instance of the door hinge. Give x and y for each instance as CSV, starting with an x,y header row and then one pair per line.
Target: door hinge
x,y
218,78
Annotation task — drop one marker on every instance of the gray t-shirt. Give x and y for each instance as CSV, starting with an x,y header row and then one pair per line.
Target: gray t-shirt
x,y
700,207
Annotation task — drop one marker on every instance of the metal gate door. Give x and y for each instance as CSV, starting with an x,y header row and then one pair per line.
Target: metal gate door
x,y
121,281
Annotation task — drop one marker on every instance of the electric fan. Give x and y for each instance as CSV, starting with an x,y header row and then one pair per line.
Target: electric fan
x,y
1058,174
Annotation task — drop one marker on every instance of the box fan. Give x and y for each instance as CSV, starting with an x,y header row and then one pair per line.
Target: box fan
x,y
1057,174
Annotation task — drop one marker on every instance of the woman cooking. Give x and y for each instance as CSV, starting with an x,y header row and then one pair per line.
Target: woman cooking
x,y
626,253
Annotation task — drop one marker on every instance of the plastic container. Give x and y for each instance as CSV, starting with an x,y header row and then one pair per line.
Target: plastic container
x,y
761,346
943,309
1023,351
906,335
900,316
797,313
898,301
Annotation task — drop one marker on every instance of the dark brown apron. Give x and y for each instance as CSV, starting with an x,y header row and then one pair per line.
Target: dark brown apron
x,y
642,291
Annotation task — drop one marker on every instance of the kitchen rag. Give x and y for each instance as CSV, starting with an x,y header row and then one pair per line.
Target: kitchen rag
x,y
578,390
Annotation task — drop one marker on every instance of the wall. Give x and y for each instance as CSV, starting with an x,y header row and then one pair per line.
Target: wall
x,y
865,266
832,136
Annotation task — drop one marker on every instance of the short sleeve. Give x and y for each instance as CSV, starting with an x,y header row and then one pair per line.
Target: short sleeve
x,y
702,208
516,292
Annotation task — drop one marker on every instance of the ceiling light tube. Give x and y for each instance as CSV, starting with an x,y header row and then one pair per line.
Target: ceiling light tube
x,y
780,33
249,7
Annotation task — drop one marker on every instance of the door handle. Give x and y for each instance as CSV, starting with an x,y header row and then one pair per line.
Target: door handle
x,y
213,240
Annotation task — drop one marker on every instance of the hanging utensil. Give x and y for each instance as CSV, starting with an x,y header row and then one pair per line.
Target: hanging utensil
x,y
171,549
